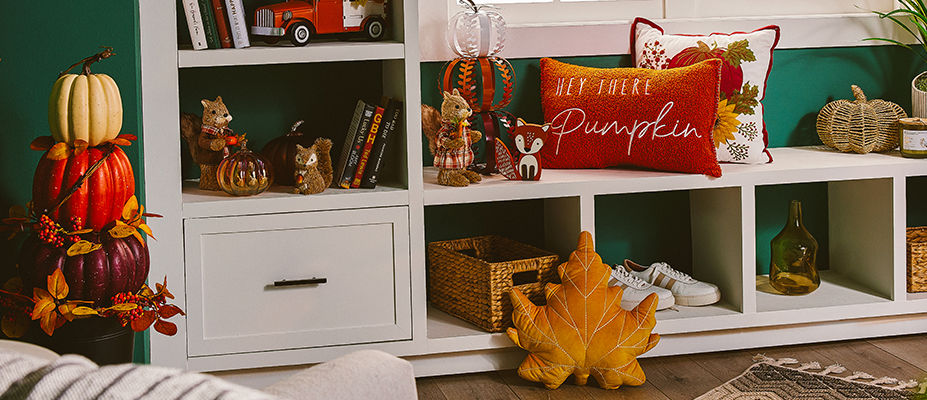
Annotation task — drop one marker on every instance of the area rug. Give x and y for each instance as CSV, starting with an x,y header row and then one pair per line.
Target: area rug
x,y
786,379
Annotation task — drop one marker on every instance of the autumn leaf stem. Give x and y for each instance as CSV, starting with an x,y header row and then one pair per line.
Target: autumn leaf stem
x,y
17,295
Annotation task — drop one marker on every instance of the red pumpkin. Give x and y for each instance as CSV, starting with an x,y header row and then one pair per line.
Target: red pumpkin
x,y
281,152
732,78
100,198
121,265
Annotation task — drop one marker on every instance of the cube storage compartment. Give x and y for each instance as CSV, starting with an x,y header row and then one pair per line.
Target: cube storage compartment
x,y
471,278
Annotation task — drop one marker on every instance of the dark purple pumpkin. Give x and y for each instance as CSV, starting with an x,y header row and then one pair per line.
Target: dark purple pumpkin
x,y
281,152
121,265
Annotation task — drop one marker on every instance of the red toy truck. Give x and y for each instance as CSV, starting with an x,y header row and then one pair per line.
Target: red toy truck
x,y
298,20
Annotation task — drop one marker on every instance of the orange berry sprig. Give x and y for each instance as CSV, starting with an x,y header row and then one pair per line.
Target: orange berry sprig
x,y
49,231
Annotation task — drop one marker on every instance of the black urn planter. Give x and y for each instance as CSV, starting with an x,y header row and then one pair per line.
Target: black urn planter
x,y
102,340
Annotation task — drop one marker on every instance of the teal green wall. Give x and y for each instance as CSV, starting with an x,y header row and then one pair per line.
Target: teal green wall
x,y
37,41
917,199
802,81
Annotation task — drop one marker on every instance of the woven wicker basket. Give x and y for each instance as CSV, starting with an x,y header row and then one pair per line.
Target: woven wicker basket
x,y
917,259
471,278
861,125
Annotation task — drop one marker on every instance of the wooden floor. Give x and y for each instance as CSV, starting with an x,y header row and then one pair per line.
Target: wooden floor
x,y
687,377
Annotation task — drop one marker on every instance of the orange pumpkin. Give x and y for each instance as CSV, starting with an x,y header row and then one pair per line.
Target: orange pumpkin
x,y
99,199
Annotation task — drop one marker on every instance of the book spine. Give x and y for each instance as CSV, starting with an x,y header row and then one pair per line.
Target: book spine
x,y
348,141
209,24
375,126
239,27
359,137
222,23
191,10
392,116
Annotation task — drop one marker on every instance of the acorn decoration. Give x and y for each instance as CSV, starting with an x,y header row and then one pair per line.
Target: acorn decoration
x,y
860,125
281,152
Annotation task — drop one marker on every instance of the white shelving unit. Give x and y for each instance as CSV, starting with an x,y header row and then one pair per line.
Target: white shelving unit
x,y
862,295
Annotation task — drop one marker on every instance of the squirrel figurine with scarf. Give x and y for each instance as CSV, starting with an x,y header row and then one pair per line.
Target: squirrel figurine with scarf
x,y
208,139
450,142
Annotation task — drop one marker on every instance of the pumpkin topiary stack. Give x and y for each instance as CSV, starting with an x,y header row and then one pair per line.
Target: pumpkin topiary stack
x,y
86,254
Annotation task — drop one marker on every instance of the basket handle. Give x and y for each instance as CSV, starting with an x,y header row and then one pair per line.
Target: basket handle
x,y
525,277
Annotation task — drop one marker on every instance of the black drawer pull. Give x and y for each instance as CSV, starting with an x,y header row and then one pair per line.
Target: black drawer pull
x,y
313,281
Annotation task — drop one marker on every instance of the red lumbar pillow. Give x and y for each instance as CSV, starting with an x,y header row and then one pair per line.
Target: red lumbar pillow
x,y
746,61
603,117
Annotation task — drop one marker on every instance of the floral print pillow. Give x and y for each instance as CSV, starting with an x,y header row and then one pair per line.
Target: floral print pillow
x,y
739,134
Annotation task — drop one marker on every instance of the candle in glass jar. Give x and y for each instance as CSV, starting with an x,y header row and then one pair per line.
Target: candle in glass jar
x,y
913,137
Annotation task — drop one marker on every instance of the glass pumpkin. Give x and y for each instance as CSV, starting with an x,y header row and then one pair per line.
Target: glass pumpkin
x,y
245,173
281,152
477,31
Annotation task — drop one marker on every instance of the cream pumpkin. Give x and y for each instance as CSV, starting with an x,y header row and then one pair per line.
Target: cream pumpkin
x,y
85,107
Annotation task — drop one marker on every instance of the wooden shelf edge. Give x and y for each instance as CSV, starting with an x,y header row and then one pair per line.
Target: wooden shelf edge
x,y
204,204
314,52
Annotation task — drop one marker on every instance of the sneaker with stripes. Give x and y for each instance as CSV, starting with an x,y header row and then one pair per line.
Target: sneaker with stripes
x,y
636,290
687,290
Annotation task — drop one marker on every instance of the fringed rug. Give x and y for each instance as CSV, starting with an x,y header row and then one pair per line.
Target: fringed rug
x,y
787,379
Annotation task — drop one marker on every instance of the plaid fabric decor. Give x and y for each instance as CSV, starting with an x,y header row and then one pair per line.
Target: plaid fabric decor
x,y
453,159
216,131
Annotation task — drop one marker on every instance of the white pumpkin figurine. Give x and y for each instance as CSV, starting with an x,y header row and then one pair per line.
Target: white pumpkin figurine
x,y
477,31
85,106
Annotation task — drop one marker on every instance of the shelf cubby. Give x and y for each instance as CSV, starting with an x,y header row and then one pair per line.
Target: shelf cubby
x,y
551,224
916,216
311,92
852,221
321,48
695,231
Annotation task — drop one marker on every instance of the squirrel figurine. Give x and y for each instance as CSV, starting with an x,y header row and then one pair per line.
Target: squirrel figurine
x,y
528,139
450,139
313,167
208,139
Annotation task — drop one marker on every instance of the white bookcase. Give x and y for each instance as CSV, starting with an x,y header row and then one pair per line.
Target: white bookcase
x,y
862,295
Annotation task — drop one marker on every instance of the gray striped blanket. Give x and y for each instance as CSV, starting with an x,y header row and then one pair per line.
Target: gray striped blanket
x,y
72,377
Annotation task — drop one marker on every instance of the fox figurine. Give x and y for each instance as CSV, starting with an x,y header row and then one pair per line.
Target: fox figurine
x,y
528,139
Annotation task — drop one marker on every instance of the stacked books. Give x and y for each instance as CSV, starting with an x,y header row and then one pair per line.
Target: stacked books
x,y
216,24
365,144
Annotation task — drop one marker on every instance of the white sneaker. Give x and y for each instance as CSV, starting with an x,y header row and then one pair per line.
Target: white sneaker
x,y
686,290
636,290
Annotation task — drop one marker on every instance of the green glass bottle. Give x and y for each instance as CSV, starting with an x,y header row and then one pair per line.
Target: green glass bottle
x,y
792,266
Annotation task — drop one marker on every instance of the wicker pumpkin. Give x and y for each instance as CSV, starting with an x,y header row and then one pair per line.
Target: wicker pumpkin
x,y
861,125
245,173
101,197
477,31
281,152
85,106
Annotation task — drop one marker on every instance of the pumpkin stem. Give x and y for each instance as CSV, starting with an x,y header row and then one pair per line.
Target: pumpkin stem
x,y
858,93
469,4
295,127
86,61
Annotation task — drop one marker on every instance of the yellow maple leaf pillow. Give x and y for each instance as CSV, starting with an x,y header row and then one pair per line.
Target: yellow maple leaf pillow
x,y
583,330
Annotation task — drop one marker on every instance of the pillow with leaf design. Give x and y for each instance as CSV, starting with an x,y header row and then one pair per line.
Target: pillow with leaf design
x,y
746,62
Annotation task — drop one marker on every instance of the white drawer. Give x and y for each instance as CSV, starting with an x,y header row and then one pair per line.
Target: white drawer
x,y
235,268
